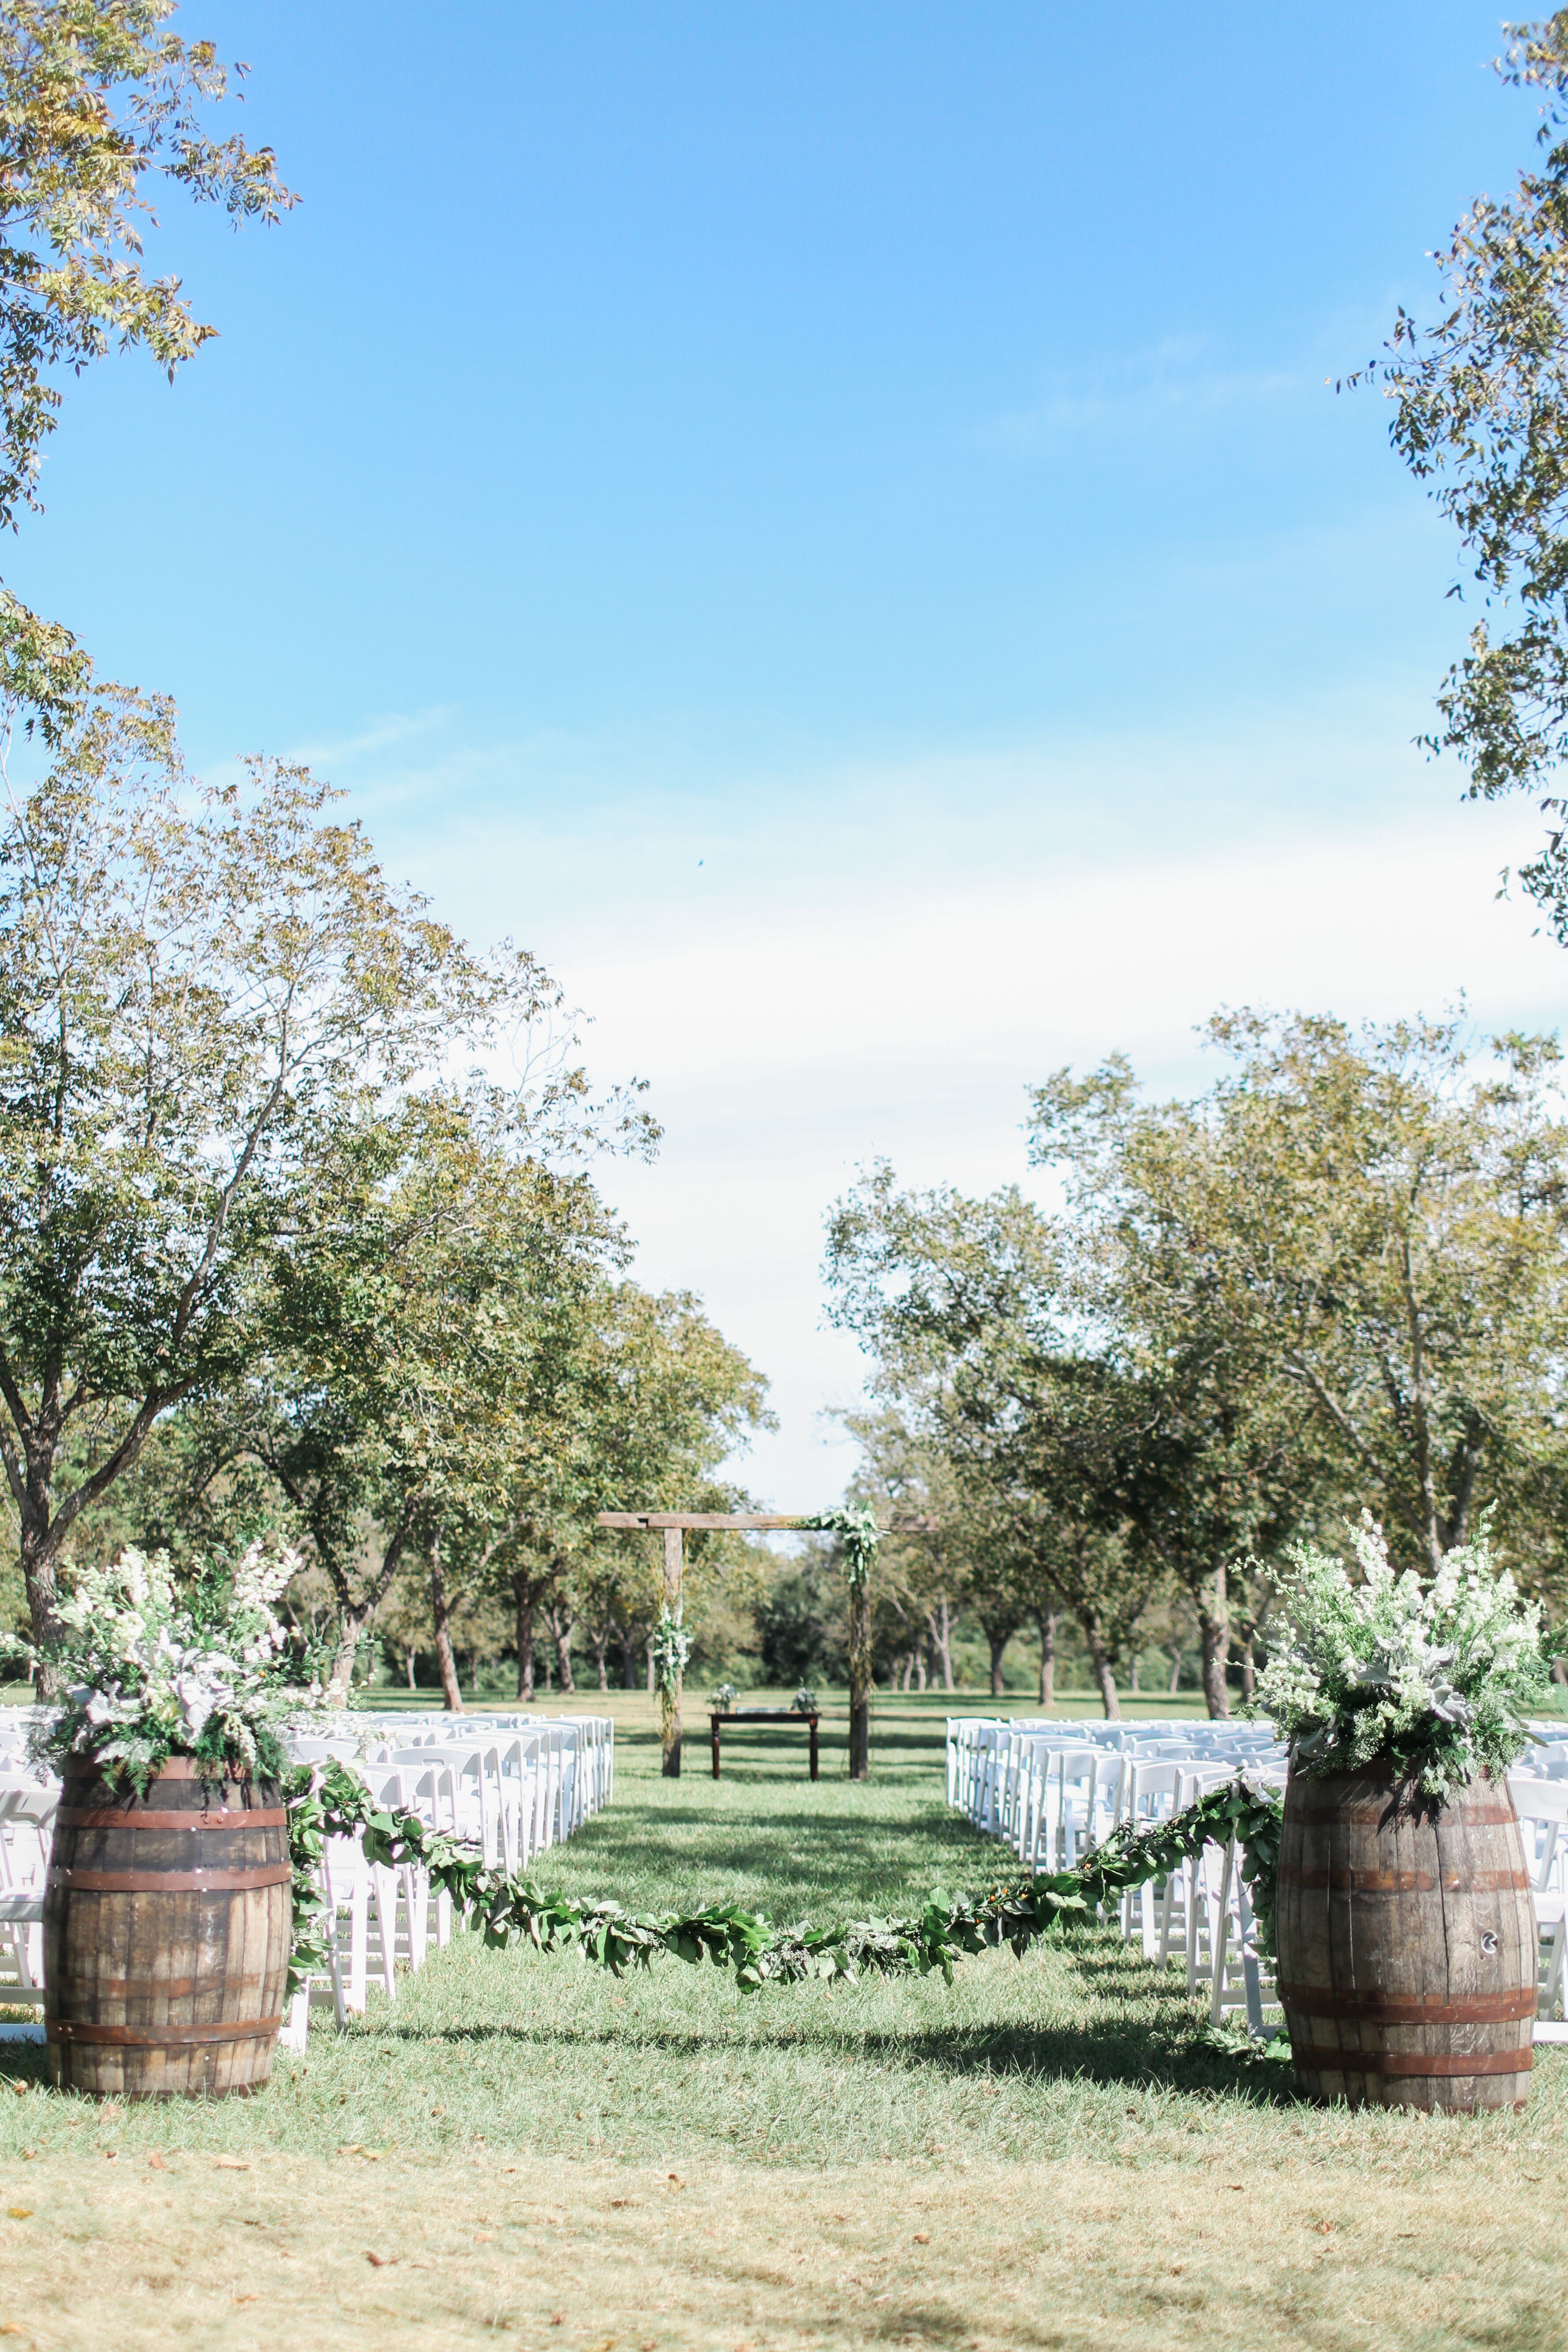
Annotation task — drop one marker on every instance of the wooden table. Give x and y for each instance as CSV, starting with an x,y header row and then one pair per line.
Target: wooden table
x,y
764,1715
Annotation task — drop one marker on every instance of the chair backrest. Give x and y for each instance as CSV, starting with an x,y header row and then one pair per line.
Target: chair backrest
x,y
1541,1805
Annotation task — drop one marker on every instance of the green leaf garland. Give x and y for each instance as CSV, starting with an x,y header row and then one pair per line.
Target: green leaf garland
x,y
507,1908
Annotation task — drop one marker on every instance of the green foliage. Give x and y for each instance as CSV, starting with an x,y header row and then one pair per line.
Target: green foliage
x,y
859,1536
800,1621
98,104
1438,1678
1481,413
198,987
507,1908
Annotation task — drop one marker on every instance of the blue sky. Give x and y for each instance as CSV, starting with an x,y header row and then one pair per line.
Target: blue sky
x,y
827,522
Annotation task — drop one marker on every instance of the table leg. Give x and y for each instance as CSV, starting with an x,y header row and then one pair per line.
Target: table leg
x,y
715,1747
813,1721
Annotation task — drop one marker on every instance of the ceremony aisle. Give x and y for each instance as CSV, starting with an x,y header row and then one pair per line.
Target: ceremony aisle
x,y
1053,2150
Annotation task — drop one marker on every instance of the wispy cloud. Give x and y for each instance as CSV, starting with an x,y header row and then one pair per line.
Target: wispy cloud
x,y
381,735
1177,383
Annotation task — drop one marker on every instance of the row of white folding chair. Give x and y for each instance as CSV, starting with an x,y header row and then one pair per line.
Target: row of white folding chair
x,y
396,1900
1541,1803
1071,1797
27,1826
541,1766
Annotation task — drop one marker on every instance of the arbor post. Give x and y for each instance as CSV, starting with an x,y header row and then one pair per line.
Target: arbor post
x,y
670,1698
862,1533
860,1679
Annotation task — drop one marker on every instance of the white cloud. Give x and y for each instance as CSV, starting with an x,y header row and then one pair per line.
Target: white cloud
x,y
877,960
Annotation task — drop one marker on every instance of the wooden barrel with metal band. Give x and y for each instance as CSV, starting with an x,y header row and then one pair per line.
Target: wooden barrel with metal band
x,y
1407,1943
167,1923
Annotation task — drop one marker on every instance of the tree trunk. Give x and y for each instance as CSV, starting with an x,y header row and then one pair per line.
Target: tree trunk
x,y
670,1700
40,1578
564,1624
941,1622
599,1641
350,1625
629,1658
1248,1671
860,1680
1214,1632
909,1669
1559,1670
921,1671
408,1661
441,1611
523,1595
1177,1654
1132,1673
1047,1622
998,1651
1099,1659
650,1665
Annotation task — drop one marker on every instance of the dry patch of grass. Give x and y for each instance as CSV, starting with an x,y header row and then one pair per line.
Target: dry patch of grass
x,y
594,2257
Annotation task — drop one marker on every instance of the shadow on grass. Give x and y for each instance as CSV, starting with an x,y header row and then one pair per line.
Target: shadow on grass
x,y
1175,2054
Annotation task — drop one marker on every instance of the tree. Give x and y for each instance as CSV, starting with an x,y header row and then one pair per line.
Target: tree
x,y
962,1304
99,104
1481,412
921,1576
194,985
426,1333
1367,1224
675,1400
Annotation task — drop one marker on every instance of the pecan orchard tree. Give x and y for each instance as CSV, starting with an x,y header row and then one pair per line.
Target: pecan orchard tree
x,y
1376,1222
196,983
964,1306
443,1268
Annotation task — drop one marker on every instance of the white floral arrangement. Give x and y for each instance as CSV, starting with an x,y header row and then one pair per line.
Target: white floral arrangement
x,y
149,1671
721,1700
805,1700
1435,1675
671,1650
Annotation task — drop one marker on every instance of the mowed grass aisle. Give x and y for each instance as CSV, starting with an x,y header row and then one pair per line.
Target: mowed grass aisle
x,y
1050,2153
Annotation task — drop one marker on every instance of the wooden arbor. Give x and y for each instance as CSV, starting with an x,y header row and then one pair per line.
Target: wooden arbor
x,y
674,1525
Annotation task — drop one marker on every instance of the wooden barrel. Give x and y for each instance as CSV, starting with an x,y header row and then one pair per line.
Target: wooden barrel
x,y
167,1923
1407,1943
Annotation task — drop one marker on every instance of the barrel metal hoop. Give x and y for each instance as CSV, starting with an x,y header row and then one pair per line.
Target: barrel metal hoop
x,y
116,1816
1414,2062
1374,1816
1338,1878
1374,2009
161,2037
80,1881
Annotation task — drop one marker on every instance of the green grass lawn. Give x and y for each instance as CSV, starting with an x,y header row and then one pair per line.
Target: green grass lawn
x,y
1050,2152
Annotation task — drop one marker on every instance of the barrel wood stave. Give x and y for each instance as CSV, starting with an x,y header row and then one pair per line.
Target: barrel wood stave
x,y
158,1938
1407,1943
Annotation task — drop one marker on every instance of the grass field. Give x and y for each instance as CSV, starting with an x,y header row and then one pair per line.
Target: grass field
x,y
1053,2152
